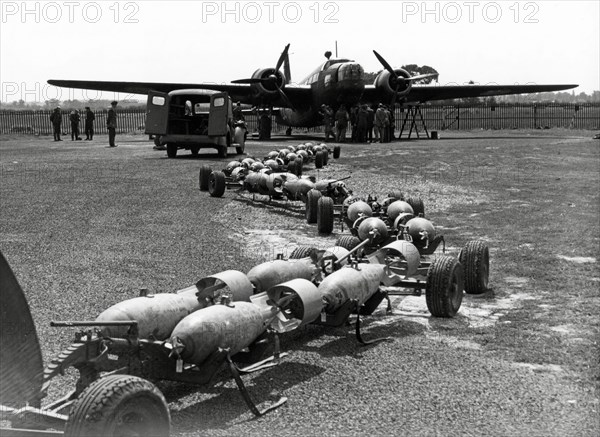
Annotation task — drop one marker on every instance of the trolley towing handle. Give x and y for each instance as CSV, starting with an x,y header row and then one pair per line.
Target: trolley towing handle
x,y
340,180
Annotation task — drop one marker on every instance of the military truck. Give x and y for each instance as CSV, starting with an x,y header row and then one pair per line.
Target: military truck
x,y
182,119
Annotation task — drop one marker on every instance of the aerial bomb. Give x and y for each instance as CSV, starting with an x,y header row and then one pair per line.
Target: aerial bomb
x,y
421,230
158,314
349,283
372,227
234,327
271,273
358,209
398,207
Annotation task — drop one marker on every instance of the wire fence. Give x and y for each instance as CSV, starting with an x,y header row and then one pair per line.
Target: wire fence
x,y
436,117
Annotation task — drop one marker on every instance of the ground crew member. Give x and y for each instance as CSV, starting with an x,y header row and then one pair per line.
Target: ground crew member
x,y
111,123
341,124
89,123
75,119
237,113
327,114
370,123
361,124
56,120
382,121
353,122
391,127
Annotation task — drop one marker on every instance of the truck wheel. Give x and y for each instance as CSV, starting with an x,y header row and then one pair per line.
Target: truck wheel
x,y
319,160
312,200
475,259
119,405
301,252
157,142
445,284
337,150
205,172
348,242
325,215
417,206
195,150
216,184
171,150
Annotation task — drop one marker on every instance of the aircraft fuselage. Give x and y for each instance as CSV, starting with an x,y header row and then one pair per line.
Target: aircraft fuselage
x,y
336,82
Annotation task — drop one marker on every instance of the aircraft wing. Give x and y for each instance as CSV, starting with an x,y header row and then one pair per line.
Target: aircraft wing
x,y
419,94
245,93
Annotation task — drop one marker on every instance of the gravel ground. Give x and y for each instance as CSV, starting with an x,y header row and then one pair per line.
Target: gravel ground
x,y
84,226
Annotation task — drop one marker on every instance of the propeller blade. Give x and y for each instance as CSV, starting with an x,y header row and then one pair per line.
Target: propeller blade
x,y
282,58
250,80
422,76
385,64
286,99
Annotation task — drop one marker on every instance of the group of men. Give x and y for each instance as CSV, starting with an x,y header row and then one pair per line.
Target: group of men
x,y
75,119
363,120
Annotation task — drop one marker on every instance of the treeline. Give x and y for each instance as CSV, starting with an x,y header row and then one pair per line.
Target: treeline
x,y
69,105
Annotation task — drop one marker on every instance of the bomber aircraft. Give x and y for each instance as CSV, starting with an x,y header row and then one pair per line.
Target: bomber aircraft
x,y
336,81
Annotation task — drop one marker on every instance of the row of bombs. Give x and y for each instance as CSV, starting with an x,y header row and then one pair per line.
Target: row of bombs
x,y
231,309
393,217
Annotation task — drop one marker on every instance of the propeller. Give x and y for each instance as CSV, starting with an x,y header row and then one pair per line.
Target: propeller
x,y
272,79
399,80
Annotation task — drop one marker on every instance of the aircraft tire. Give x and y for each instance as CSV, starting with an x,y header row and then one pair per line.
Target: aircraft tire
x,y
337,150
157,142
119,405
445,284
325,215
417,205
205,172
216,184
319,160
475,259
312,200
171,150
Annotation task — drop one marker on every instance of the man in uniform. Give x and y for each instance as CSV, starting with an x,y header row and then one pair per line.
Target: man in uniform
x,y
237,113
327,115
111,123
89,123
382,121
341,124
75,119
56,120
370,123
361,124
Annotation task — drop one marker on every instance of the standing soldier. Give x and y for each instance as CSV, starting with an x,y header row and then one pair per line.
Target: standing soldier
x,y
75,119
353,123
327,115
381,123
392,120
370,122
341,124
56,120
238,113
89,123
111,123
361,124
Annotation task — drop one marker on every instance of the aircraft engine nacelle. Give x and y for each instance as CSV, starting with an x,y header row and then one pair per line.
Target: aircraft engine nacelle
x,y
271,81
387,84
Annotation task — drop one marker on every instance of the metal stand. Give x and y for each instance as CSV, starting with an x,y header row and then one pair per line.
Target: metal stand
x,y
412,113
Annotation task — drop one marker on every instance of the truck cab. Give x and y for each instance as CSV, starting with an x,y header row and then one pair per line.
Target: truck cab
x,y
182,119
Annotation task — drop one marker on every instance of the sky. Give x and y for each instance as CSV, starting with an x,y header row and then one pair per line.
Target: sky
x,y
503,42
